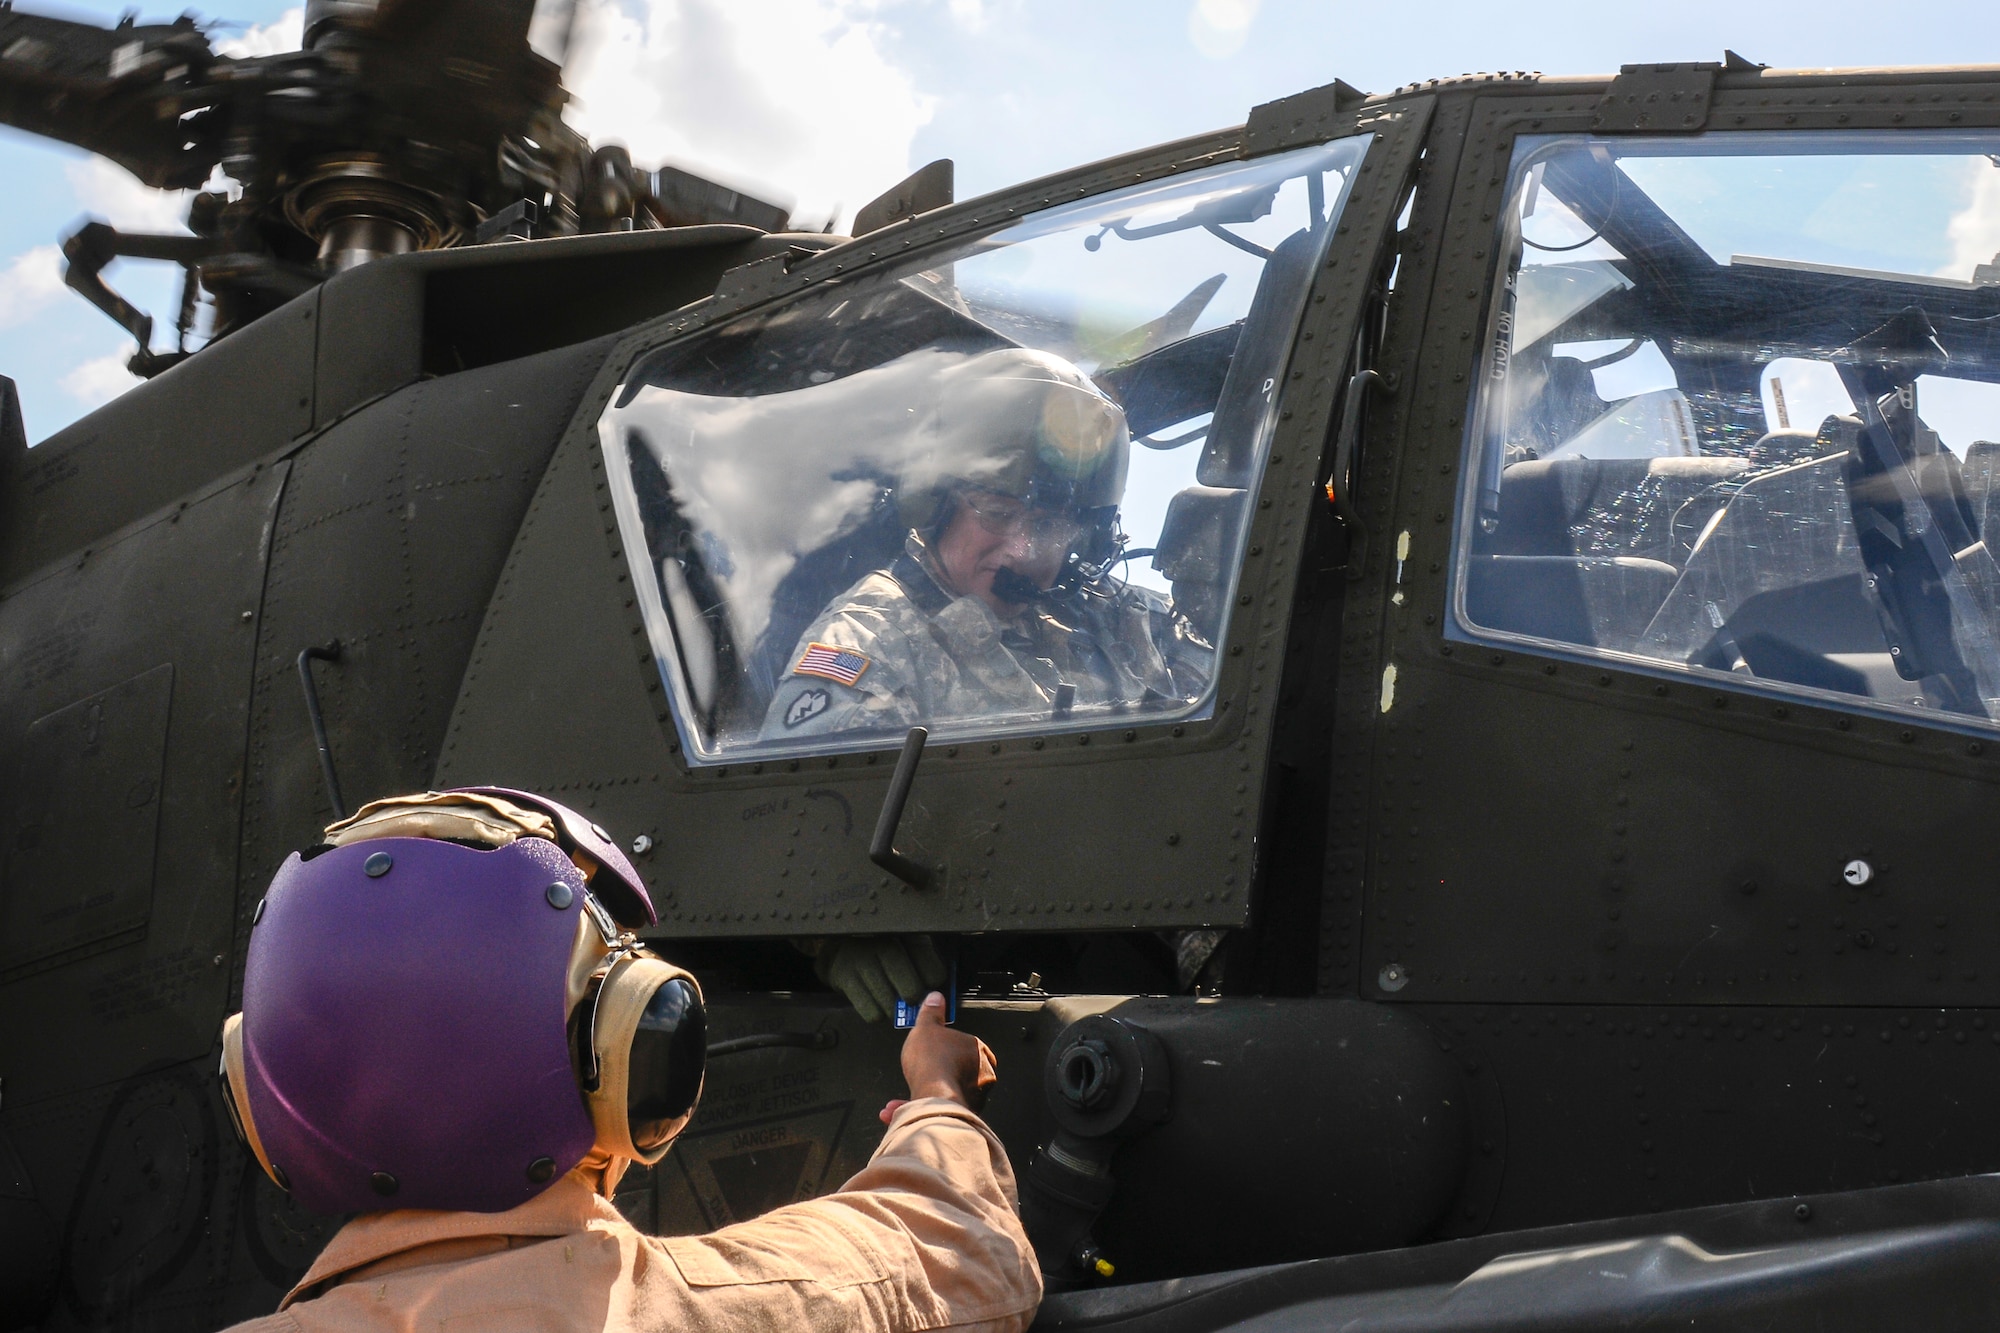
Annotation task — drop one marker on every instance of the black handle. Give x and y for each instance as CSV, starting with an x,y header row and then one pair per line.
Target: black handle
x,y
329,653
882,850
1337,481
1340,479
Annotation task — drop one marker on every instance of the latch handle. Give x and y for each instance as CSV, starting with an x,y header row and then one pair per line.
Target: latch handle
x,y
307,656
1341,477
882,850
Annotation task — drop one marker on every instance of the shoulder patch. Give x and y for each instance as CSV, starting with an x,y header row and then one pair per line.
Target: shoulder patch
x,y
810,704
830,663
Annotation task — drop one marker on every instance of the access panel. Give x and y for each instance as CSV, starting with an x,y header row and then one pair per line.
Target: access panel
x,y
90,776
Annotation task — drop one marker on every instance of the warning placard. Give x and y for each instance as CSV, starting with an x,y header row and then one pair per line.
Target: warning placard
x,y
738,1171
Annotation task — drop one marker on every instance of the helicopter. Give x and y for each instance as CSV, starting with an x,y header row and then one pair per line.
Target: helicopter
x,y
1546,891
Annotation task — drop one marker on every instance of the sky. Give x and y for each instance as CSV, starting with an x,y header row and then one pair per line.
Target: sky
x,y
826,103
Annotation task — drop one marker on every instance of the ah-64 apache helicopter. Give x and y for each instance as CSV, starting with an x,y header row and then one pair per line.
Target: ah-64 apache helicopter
x,y
1549,888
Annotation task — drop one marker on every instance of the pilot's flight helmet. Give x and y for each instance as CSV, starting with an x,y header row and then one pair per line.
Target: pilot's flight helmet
x,y
1022,423
444,1007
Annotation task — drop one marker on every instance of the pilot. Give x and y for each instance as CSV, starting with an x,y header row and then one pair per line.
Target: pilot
x,y
450,1031
1001,607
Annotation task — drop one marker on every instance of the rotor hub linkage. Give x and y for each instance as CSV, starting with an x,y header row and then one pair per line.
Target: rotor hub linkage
x,y
358,208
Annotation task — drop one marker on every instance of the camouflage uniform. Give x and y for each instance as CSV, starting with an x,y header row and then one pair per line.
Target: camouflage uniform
x,y
927,658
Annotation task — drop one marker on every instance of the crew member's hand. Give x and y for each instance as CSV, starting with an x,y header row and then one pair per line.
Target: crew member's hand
x,y
939,1061
872,970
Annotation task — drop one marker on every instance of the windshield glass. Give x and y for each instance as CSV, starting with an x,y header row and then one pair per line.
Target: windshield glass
x,y
1003,486
1739,413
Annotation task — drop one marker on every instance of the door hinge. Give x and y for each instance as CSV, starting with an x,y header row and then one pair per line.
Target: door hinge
x,y
1658,99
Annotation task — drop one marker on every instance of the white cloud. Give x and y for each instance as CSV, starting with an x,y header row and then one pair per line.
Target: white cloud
x,y
792,99
95,383
1974,231
971,14
1218,28
107,191
283,33
29,283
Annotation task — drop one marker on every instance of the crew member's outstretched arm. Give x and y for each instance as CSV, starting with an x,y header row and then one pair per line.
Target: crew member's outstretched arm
x,y
926,1236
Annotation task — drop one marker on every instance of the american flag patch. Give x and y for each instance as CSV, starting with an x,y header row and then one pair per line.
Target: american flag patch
x,y
831,663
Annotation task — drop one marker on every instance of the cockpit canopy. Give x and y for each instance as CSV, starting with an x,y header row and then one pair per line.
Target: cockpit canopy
x,y
764,469
1739,412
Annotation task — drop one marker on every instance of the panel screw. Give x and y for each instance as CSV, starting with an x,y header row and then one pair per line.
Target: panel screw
x,y
258,914
1803,1212
377,865
1857,873
598,829
541,1169
284,1181
1392,977
559,895
641,845
384,1183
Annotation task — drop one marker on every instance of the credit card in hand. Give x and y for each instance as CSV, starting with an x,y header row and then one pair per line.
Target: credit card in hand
x,y
906,1010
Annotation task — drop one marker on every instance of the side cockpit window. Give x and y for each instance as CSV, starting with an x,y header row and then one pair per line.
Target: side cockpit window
x,y
1737,414
1001,487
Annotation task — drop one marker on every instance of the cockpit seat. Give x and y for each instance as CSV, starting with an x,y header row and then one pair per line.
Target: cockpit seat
x,y
1592,600
1229,453
1587,549
1197,552
1603,507
819,576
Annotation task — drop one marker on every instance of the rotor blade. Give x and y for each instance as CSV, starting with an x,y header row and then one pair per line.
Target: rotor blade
x,y
553,31
464,62
493,32
681,199
119,92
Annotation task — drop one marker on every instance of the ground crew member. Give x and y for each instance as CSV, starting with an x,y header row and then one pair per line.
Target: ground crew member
x,y
1001,607
449,1029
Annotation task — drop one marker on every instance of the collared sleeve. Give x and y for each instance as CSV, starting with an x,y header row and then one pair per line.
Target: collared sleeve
x,y
926,1236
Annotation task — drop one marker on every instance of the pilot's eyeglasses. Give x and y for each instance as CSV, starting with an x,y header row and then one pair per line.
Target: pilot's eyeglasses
x,y
1002,515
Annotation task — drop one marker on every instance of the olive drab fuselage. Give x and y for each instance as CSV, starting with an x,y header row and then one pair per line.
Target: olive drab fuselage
x,y
1565,656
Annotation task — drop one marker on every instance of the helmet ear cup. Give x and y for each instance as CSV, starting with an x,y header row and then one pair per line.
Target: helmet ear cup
x,y
666,1063
235,1100
649,1035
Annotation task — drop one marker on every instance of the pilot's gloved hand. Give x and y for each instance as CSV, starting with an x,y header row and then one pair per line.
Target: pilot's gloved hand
x,y
872,970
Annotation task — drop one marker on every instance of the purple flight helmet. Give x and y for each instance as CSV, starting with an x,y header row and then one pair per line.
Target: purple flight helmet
x,y
623,893
405,1017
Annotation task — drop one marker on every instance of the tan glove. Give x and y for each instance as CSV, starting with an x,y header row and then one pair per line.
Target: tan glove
x,y
872,970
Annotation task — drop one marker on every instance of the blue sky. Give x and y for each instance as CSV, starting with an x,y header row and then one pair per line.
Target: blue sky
x,y
828,102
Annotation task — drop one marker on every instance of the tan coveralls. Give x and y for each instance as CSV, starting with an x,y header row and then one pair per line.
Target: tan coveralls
x,y
924,1237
